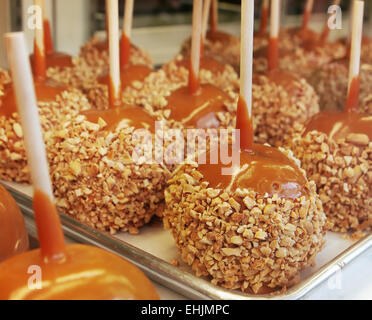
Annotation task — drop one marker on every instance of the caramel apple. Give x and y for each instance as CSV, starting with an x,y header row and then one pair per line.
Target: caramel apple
x,y
124,193
280,98
257,226
335,149
56,102
13,234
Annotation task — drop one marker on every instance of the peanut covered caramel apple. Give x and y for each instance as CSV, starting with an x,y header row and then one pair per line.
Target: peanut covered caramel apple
x,y
335,149
331,83
255,227
218,45
95,54
302,61
132,70
102,184
131,77
252,231
193,92
166,92
303,50
13,234
56,103
280,98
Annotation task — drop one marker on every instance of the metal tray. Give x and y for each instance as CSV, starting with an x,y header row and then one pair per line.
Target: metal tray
x,y
181,279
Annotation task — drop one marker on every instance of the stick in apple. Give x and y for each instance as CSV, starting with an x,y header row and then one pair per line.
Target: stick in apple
x,y
244,112
35,149
273,58
214,15
206,10
48,40
356,41
307,13
264,16
39,48
114,53
126,34
194,83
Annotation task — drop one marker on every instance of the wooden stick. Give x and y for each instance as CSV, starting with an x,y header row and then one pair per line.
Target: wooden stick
x,y
106,19
194,84
351,23
47,220
39,48
307,13
244,112
126,35
214,16
114,54
206,10
48,40
356,42
264,16
325,33
273,58
28,112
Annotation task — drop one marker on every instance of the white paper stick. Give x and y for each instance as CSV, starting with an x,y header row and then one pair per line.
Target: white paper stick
x,y
196,37
351,18
356,40
114,51
309,5
215,14
206,11
39,32
246,53
28,111
326,30
275,19
128,18
307,13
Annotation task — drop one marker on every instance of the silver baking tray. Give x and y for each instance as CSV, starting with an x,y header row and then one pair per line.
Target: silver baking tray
x,y
156,263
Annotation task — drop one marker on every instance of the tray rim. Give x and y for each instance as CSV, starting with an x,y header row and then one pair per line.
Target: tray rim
x,y
182,282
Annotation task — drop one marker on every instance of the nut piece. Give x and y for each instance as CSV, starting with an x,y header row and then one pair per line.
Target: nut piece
x,y
18,130
358,138
260,235
231,251
75,167
236,240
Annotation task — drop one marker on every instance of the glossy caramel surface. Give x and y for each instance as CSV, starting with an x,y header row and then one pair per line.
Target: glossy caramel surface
x,y
197,110
13,234
46,91
87,273
128,75
337,125
55,59
135,116
267,171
